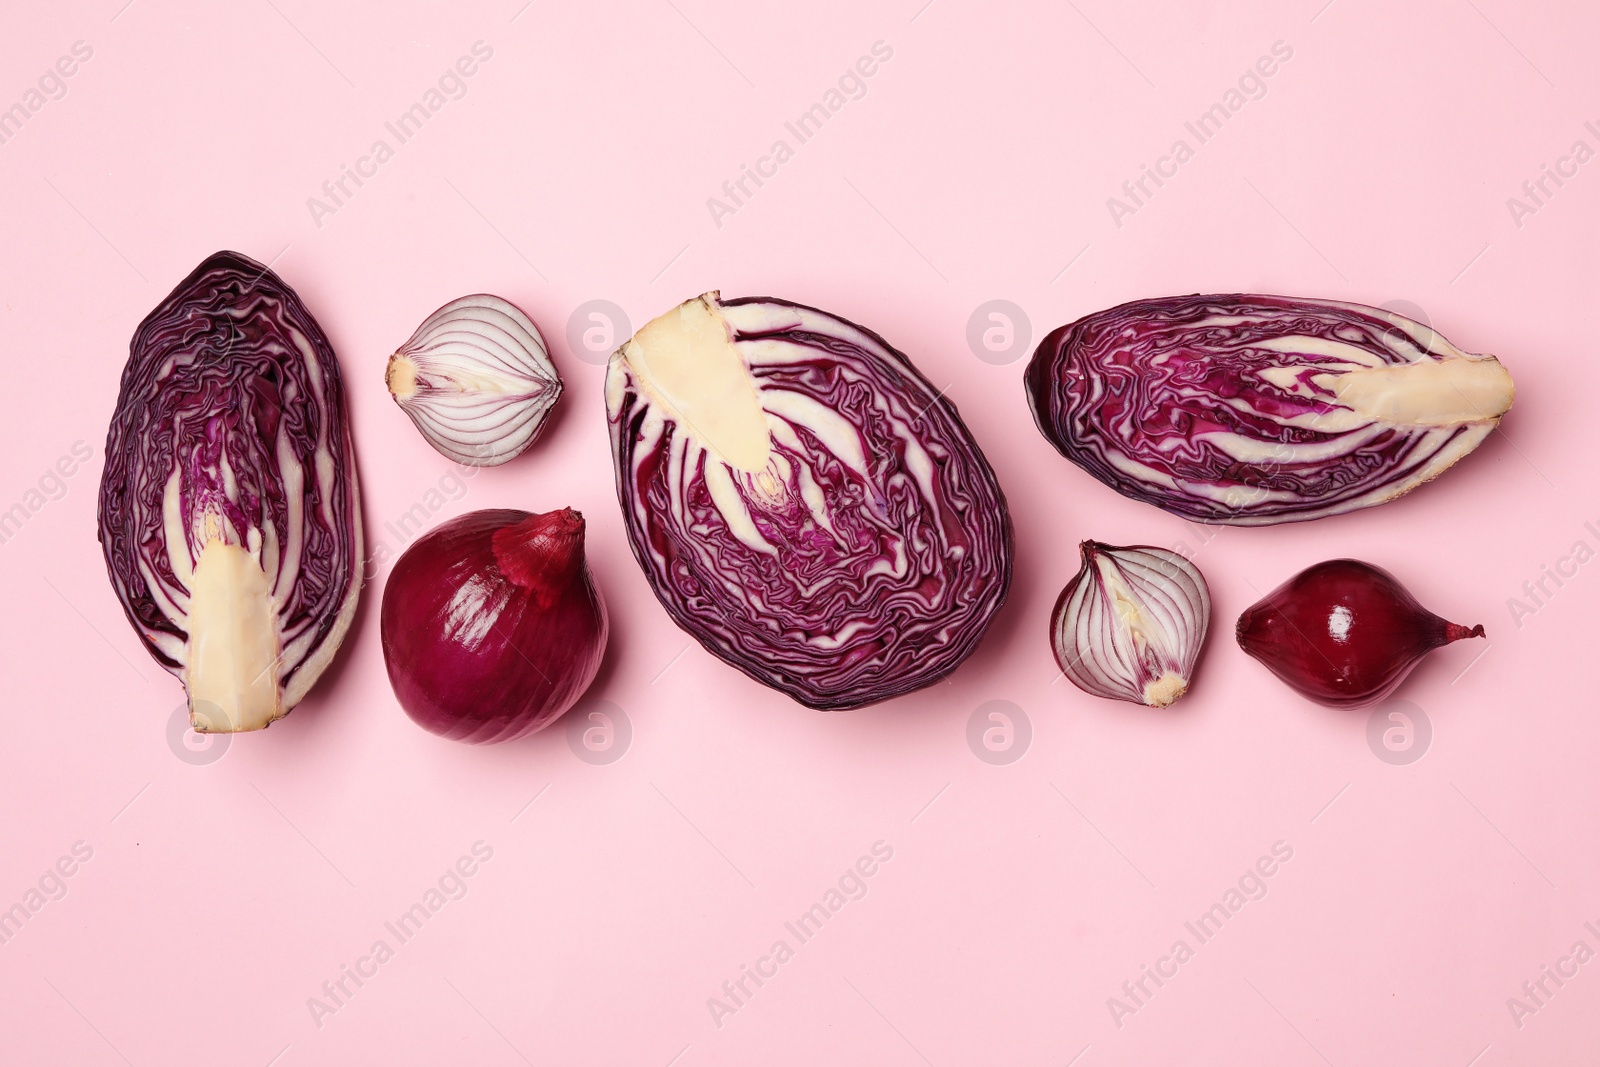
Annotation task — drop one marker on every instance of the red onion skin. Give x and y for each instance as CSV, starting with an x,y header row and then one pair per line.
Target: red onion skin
x,y
1343,633
492,626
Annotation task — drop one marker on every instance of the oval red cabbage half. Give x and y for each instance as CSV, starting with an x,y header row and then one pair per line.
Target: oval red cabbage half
x,y
803,502
229,511
1252,410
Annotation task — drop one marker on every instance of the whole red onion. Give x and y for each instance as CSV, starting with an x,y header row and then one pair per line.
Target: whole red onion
x,y
492,625
1343,632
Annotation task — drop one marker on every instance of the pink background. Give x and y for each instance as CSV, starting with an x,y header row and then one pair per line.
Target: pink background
x,y
221,895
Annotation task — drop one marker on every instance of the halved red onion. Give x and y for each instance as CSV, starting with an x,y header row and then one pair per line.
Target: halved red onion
x,y
476,379
1130,624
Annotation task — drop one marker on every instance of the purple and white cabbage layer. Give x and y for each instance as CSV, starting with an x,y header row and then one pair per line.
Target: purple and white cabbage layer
x,y
803,502
1252,410
229,511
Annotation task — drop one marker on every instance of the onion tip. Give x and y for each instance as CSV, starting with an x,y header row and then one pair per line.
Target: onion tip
x,y
535,552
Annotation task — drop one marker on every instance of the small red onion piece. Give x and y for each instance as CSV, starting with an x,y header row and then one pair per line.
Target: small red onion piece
x,y
476,379
492,626
1130,624
1343,633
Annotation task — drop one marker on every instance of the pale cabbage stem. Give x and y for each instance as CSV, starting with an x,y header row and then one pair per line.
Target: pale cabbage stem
x,y
233,643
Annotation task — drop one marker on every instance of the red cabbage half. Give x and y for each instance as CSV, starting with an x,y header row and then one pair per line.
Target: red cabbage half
x,y
229,512
1252,410
803,502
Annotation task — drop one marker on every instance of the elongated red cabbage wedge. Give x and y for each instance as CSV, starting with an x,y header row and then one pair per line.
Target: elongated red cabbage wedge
x,y
1252,410
229,511
803,502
